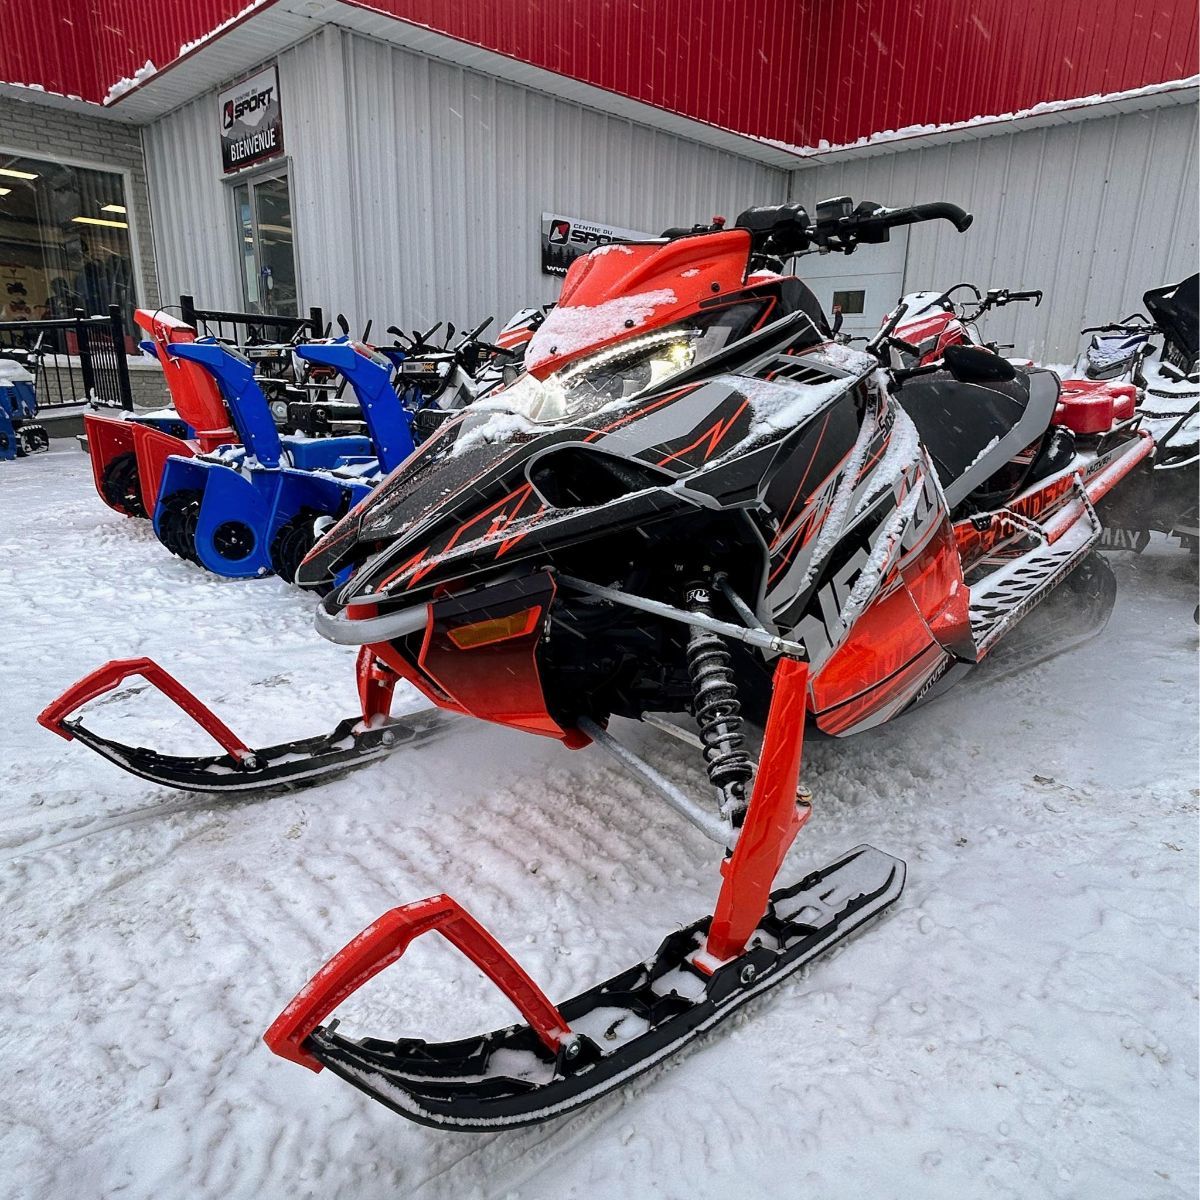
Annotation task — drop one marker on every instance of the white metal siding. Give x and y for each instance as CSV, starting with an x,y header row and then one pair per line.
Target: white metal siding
x,y
418,186
1093,213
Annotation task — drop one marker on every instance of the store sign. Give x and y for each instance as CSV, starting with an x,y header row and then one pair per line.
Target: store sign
x,y
564,239
251,121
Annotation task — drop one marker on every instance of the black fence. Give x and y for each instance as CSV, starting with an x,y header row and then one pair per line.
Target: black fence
x,y
80,359
244,329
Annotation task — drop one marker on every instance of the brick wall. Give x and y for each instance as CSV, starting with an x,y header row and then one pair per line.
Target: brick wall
x,y
54,134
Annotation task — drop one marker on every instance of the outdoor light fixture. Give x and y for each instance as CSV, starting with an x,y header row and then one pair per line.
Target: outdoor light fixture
x,y
100,221
114,208
14,174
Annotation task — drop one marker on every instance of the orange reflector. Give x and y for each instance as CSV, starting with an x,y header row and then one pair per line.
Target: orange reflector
x,y
495,629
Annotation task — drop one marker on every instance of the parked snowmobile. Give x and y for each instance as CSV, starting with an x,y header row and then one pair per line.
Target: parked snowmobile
x,y
694,506
934,321
1122,373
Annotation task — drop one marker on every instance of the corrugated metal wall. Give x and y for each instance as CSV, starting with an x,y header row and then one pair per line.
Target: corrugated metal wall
x,y
1093,212
452,170
418,187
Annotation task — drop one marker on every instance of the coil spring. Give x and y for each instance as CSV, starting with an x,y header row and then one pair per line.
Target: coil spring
x,y
718,711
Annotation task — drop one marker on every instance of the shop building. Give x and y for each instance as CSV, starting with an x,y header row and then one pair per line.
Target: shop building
x,y
406,163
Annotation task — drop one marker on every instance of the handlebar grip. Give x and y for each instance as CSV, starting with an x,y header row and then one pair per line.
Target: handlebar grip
x,y
939,210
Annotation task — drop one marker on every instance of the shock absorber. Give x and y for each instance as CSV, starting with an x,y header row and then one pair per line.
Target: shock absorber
x,y
718,711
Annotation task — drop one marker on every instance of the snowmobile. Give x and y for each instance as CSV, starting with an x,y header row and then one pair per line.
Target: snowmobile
x,y
1121,374
696,509
934,321
19,434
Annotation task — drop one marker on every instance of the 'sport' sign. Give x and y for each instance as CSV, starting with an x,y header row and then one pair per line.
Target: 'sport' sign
x,y
251,121
564,239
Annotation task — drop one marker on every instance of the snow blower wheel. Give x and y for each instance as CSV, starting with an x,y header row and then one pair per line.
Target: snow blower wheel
x,y
178,515
122,487
294,539
233,540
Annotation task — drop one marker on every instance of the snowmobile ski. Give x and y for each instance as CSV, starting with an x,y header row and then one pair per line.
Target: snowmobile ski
x,y
568,1056
351,743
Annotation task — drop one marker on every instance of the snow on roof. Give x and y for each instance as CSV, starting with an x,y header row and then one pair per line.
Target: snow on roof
x,y
884,136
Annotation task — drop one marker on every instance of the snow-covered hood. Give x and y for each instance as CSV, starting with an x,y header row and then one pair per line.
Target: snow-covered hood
x,y
515,492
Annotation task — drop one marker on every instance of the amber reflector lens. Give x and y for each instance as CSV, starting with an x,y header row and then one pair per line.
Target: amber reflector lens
x,y
495,629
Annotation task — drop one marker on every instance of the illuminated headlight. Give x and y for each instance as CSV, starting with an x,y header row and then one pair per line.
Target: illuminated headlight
x,y
279,410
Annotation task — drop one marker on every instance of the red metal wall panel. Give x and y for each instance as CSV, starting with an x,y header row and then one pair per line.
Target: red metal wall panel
x,y
877,64
795,70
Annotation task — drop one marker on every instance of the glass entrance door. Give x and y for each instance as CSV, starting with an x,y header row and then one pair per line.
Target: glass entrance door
x,y
263,209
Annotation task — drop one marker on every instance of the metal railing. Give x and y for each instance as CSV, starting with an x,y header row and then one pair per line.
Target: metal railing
x,y
82,358
242,328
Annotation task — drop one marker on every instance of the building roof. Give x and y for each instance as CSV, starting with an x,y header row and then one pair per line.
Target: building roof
x,y
782,80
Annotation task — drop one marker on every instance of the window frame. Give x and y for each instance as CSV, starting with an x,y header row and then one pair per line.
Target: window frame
x,y
277,168
126,174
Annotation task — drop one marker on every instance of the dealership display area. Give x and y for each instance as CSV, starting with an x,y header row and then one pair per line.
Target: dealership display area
x,y
572,621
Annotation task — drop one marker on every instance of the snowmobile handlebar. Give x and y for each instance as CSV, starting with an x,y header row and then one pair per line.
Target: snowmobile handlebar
x,y
781,231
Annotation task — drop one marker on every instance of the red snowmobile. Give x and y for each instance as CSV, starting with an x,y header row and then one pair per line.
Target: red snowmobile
x,y
695,509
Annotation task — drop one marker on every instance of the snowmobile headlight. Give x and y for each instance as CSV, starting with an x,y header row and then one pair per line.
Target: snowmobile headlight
x,y
616,373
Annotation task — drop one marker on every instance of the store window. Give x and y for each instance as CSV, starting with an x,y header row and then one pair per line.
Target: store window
x,y
263,214
64,241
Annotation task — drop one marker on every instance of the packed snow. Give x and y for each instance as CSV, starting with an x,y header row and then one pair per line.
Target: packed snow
x,y
1023,1024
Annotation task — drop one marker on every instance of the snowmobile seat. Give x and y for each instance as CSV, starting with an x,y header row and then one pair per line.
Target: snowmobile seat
x,y
971,430
1090,406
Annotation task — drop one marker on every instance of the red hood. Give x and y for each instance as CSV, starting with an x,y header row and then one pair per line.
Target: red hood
x,y
617,289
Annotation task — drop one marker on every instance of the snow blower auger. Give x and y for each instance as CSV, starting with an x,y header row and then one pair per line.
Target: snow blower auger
x,y
233,510
127,453
695,506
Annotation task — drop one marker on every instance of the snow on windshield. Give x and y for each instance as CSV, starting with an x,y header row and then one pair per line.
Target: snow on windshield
x,y
570,329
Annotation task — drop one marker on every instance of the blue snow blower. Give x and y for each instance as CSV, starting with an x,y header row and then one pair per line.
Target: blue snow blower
x,y
18,403
248,510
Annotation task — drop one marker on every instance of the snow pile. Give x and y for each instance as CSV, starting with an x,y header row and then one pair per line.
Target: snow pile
x,y
127,84
572,328
488,421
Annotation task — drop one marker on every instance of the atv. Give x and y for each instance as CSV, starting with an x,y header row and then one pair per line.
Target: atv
x,y
695,509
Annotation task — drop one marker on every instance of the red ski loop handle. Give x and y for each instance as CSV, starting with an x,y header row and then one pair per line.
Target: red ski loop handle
x,y
385,941
105,678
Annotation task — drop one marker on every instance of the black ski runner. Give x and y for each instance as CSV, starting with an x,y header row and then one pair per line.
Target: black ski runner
x,y
352,743
605,1036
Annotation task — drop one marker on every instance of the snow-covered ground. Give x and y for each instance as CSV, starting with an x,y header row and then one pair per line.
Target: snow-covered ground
x,y
1022,1025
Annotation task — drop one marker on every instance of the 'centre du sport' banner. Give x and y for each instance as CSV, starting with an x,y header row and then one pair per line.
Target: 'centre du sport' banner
x,y
251,121
564,239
